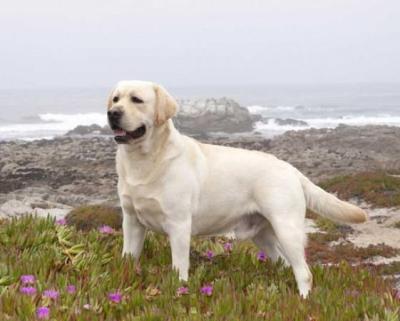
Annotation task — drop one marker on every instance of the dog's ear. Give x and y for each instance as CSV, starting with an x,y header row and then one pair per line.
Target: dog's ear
x,y
166,106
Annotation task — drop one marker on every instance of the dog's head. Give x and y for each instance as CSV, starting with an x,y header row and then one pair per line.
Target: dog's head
x,y
137,107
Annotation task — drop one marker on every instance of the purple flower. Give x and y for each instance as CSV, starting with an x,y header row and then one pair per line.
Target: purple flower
x,y
207,290
261,256
28,290
228,246
105,229
61,221
210,254
396,294
52,294
115,297
27,279
42,312
71,289
182,291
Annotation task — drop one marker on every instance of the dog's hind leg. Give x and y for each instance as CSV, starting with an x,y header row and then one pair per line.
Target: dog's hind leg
x,y
267,241
286,214
292,240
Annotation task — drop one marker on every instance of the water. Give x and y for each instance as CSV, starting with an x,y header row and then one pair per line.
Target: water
x,y
34,114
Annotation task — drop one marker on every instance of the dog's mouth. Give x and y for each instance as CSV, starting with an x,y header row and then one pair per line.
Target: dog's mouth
x,y
122,136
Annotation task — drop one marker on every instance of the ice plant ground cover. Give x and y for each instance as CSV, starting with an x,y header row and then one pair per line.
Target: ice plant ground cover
x,y
88,280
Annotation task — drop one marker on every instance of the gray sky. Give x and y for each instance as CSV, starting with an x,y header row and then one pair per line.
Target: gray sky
x,y
209,42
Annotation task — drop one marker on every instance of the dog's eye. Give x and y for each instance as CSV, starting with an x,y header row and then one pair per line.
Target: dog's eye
x,y
115,99
136,100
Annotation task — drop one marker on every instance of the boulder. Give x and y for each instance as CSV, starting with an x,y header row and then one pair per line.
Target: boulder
x,y
89,130
291,122
286,122
28,206
213,115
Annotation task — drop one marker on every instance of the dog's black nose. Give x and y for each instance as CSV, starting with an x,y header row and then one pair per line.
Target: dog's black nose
x,y
114,114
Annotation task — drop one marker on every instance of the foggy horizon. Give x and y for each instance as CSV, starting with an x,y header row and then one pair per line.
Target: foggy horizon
x,y
93,44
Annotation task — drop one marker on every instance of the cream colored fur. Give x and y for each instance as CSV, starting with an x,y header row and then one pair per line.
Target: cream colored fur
x,y
173,184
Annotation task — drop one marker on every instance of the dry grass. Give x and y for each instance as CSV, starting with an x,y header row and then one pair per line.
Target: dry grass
x,y
90,217
377,188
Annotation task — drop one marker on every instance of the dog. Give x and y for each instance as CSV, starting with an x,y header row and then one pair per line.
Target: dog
x,y
171,183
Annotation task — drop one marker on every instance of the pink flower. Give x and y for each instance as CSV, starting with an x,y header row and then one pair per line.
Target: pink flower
x,y
228,246
210,254
207,290
52,294
27,279
28,290
71,289
396,294
115,297
105,229
87,306
61,221
261,256
182,291
43,312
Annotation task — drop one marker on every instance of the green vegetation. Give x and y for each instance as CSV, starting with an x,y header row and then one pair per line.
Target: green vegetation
x,y
377,188
243,288
90,217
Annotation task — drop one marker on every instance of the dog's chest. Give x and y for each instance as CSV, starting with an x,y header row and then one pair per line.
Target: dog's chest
x,y
148,209
149,213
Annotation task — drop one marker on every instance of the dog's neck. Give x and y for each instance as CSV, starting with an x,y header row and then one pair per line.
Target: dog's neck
x,y
145,158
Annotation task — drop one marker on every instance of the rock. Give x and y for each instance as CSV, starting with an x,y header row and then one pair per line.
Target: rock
x,y
14,208
9,168
286,122
89,130
323,153
290,122
81,170
213,115
29,206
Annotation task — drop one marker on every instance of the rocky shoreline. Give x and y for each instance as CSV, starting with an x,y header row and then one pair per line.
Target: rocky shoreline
x,y
69,171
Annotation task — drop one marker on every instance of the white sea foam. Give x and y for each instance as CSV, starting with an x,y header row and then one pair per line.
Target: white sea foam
x,y
257,109
271,128
52,125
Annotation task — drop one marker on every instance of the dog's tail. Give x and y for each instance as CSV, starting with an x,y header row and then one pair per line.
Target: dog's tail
x,y
328,205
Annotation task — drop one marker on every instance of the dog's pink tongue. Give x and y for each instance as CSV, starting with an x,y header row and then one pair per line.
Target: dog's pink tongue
x,y
119,132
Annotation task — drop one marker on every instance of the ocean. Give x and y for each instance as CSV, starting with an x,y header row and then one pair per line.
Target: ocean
x,y
46,113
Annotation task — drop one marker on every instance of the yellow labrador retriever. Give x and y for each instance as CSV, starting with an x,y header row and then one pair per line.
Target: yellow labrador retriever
x,y
173,184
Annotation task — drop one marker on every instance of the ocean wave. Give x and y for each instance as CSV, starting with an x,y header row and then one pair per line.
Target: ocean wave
x,y
354,120
81,119
271,127
51,125
258,109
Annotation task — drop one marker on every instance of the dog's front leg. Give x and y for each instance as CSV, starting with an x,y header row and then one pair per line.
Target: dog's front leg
x,y
134,234
179,237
